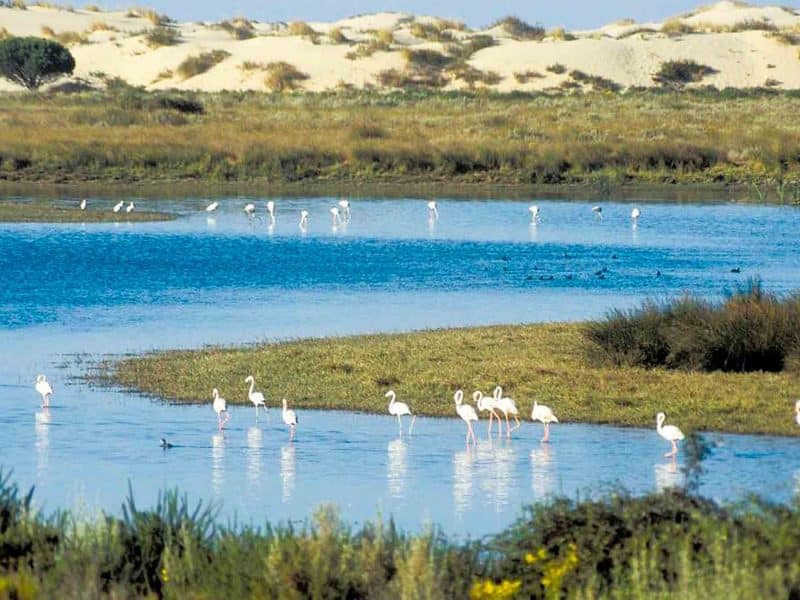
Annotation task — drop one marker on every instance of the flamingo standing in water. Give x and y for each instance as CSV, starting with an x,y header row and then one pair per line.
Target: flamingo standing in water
x,y
797,412
82,205
271,211
398,409
250,209
467,413
508,406
545,415
118,206
669,432
635,214
130,208
304,220
257,398
598,212
345,206
336,218
487,403
289,418
220,406
43,387
433,211
212,207
534,213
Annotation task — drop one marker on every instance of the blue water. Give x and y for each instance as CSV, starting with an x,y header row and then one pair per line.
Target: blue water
x,y
72,290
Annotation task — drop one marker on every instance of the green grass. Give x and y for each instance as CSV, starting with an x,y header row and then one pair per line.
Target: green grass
x,y
594,139
549,363
40,211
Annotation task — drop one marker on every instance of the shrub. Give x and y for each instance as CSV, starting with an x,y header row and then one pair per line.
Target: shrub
x,y
525,76
677,73
596,81
205,61
426,31
561,34
146,13
519,29
556,68
32,62
368,49
180,104
384,36
238,29
301,28
676,27
471,75
466,48
4,34
162,36
101,26
337,36
786,38
282,76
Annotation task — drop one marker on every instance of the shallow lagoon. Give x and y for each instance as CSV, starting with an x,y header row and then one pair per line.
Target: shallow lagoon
x,y
70,290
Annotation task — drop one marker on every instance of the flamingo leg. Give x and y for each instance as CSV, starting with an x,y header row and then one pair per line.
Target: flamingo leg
x,y
472,433
410,427
546,437
400,424
468,430
508,429
516,418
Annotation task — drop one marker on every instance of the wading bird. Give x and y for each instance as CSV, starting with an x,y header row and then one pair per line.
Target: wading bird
x,y
165,444
669,432
212,207
534,213
336,218
257,398
290,419
130,208
467,413
271,211
345,206
398,409
543,414
43,388
598,212
82,205
508,406
635,214
304,220
250,209
220,406
118,206
433,211
487,403
797,412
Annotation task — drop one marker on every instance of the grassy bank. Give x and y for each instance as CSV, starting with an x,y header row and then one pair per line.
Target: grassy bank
x,y
549,363
47,212
599,139
660,546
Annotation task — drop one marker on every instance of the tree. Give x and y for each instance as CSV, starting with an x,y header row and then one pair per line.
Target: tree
x,y
32,62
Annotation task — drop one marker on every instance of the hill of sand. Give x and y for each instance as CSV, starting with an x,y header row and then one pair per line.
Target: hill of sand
x,y
746,46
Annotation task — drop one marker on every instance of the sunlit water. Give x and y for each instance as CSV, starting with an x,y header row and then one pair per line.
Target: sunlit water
x,y
69,290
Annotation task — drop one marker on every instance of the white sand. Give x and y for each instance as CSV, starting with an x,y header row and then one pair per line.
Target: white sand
x,y
743,59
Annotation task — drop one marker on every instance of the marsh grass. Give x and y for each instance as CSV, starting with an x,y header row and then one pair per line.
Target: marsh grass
x,y
549,363
46,212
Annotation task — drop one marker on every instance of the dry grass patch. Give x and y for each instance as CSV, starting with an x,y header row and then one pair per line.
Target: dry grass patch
x,y
301,28
162,36
239,28
526,76
201,63
282,76
67,38
518,29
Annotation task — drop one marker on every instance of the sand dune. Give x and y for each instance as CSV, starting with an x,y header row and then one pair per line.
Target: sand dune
x,y
738,41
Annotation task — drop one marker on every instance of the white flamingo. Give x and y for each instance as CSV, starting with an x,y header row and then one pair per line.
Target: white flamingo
x,y
336,218
534,213
669,432
43,387
250,209
220,406
467,413
304,220
545,415
130,208
257,398
212,207
82,205
345,206
433,210
635,214
487,403
398,409
271,211
598,212
797,412
289,418
118,206
508,406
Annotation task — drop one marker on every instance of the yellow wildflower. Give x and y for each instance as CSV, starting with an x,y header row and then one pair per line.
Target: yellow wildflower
x,y
489,590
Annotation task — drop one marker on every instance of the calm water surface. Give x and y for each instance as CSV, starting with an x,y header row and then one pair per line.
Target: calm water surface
x,y
70,290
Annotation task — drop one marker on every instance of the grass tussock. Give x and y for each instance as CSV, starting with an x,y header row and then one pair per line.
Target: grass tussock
x,y
678,73
430,32
553,363
673,544
787,38
560,34
67,38
556,69
337,36
162,36
598,83
301,28
201,63
156,19
518,29
238,28
751,330
101,26
526,76
381,42
283,77
4,33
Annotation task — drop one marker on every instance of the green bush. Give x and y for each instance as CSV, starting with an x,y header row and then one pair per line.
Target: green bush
x,y
162,36
32,62
196,65
677,73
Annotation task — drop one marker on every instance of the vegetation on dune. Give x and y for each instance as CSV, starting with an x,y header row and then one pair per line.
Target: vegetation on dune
x,y
162,36
47,212
552,363
201,63
677,73
644,136
239,28
616,547
519,29
282,76
31,62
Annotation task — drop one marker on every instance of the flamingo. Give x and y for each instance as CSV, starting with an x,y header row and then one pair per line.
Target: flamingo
x,y
257,398
304,220
467,413
82,205
130,208
220,406
544,415
43,387
487,403
433,210
797,412
598,212
534,213
345,206
271,211
249,209
335,217
212,207
669,432
508,406
118,206
399,409
290,418
635,214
